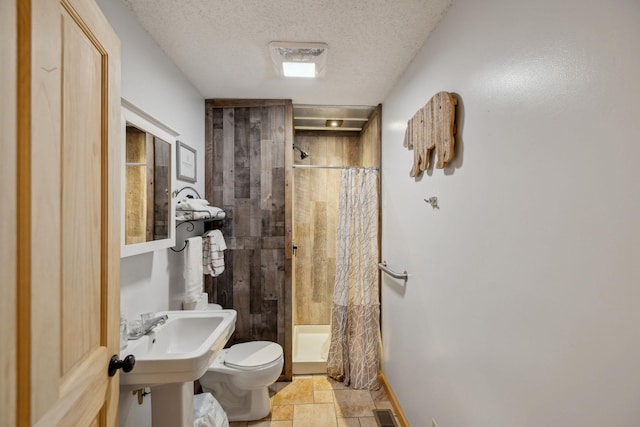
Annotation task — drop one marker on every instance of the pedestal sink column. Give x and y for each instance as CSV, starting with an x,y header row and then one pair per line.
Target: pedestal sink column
x,y
172,405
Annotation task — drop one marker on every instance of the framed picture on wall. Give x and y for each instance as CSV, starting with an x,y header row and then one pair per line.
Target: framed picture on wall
x,y
186,162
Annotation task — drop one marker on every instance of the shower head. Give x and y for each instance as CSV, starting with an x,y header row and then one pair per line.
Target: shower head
x,y
303,154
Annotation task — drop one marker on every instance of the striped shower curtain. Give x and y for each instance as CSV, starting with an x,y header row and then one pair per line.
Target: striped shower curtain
x,y
355,316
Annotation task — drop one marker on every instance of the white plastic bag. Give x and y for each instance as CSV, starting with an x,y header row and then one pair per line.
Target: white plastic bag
x,y
208,412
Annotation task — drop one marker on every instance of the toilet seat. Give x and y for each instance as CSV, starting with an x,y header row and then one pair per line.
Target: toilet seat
x,y
252,355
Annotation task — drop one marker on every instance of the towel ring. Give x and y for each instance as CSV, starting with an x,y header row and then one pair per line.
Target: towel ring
x,y
186,242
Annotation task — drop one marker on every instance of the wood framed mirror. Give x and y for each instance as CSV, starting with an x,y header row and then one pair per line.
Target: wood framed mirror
x,y
147,182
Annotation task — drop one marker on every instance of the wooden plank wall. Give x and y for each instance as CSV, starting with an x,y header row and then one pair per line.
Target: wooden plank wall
x,y
315,213
371,137
245,175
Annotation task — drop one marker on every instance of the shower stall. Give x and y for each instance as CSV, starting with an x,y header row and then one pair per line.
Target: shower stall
x,y
319,158
281,296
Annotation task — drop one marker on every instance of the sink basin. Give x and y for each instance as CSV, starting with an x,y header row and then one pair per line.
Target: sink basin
x,y
180,350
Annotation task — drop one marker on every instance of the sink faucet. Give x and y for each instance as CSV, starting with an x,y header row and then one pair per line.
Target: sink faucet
x,y
148,326
152,323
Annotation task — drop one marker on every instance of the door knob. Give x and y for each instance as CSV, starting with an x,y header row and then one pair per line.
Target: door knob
x,y
126,364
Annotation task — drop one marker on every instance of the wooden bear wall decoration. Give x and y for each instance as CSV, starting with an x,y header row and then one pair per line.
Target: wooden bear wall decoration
x,y
433,126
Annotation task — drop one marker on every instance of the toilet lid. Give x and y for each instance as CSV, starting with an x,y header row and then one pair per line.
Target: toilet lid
x,y
252,354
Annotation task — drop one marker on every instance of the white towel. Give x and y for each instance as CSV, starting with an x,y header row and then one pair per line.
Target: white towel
x,y
219,238
201,304
189,203
190,209
193,281
213,253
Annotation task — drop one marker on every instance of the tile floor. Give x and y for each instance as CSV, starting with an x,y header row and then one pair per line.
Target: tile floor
x,y
317,401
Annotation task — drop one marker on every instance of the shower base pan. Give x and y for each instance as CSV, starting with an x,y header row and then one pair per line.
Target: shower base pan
x,y
310,349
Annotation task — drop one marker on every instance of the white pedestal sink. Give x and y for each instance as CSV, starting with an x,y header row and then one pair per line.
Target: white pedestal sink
x,y
172,356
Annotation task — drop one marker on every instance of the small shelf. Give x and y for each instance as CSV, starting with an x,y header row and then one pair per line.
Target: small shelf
x,y
201,216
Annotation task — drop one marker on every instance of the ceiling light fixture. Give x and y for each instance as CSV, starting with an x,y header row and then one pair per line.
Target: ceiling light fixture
x,y
333,123
294,59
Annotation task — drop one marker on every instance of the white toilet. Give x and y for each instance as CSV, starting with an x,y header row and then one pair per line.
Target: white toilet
x,y
240,376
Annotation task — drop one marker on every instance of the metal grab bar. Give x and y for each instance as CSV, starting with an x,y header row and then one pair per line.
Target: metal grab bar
x,y
383,266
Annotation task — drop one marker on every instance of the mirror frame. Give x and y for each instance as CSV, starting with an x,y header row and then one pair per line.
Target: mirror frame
x,y
143,121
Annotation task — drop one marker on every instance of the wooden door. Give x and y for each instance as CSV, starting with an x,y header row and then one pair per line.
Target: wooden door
x,y
8,216
68,209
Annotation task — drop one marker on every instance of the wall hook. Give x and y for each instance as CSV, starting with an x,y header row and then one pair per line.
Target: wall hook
x,y
433,201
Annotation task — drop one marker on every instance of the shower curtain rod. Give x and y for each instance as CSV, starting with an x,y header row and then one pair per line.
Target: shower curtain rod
x,y
334,167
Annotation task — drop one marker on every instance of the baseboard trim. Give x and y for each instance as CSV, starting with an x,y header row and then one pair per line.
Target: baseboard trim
x,y
394,402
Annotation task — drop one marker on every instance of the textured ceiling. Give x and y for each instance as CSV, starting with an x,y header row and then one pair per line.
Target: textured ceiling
x,y
222,45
